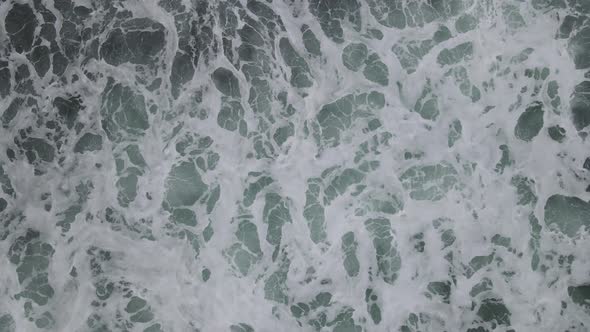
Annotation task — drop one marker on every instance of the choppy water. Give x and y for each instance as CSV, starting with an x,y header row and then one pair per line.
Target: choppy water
x,y
319,165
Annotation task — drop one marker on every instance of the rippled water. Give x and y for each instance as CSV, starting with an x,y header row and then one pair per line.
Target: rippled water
x,y
313,165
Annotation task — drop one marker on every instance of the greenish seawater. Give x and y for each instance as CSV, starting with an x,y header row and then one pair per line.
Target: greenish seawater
x,y
295,165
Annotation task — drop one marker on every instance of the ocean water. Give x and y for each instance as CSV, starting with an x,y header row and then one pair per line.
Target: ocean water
x,y
295,165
